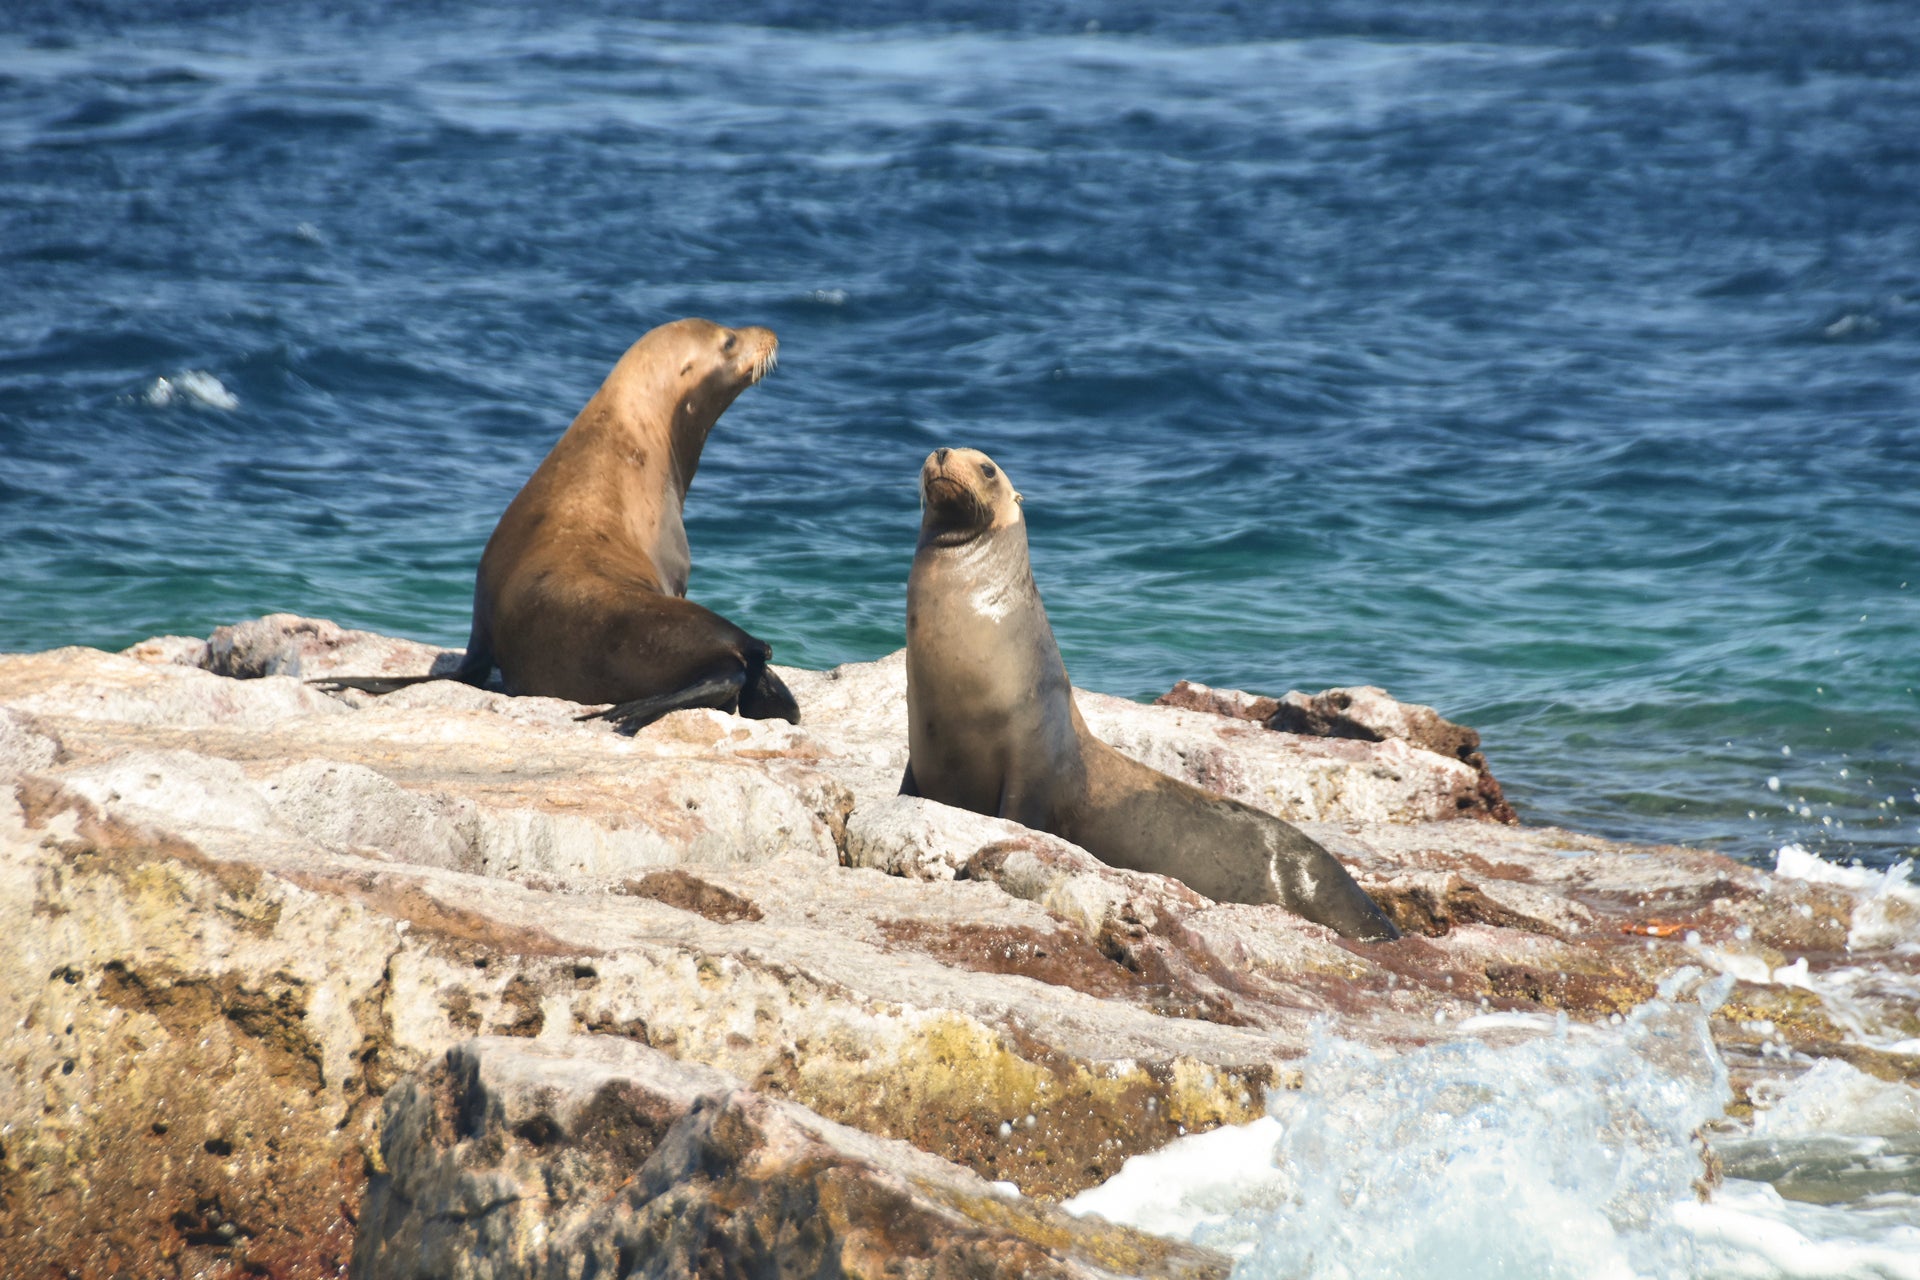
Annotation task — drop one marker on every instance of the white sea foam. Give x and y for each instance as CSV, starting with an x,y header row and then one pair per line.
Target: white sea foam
x,y
1867,1001
1571,1153
192,387
1834,1097
1205,1180
1890,913
1750,1232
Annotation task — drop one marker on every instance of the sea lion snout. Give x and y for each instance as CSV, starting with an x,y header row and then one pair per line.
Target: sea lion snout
x,y
755,351
962,495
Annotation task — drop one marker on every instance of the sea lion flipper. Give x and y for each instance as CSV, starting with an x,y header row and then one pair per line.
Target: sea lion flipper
x,y
1028,806
908,787
476,666
766,697
721,691
375,685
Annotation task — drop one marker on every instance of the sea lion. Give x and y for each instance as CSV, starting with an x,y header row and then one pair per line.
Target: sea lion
x,y
992,726
580,590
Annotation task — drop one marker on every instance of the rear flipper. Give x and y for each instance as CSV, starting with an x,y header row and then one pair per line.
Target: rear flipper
x,y
766,697
1313,884
720,691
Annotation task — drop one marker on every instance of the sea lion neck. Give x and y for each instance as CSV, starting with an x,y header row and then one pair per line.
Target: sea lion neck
x,y
653,426
943,534
672,386
686,439
996,550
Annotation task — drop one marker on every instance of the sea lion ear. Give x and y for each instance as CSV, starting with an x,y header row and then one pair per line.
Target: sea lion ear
x,y
1018,496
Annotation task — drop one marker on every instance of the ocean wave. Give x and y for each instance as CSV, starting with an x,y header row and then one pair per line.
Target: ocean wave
x,y
191,387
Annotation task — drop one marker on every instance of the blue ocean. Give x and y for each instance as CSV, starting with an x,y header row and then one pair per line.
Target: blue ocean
x,y
1556,364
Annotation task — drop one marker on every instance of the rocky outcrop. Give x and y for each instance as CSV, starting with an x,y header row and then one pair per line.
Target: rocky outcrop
x,y
598,1156
245,920
1362,714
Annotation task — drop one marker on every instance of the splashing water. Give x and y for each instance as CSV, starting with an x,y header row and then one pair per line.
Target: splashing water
x,y
1449,1161
1560,1155
1891,905
1541,1148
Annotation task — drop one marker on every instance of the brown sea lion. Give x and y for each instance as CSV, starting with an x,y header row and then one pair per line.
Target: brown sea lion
x,y
992,726
580,589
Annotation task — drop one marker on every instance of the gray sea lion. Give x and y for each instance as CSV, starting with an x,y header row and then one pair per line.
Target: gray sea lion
x,y
992,726
580,589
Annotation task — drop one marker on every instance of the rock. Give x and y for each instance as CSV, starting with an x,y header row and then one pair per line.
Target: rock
x,y
926,840
182,651
1364,714
284,644
25,747
85,684
1367,713
356,809
237,914
182,790
1431,903
1191,695
1300,779
598,1156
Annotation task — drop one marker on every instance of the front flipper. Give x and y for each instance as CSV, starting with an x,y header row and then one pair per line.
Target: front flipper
x,y
908,787
720,691
375,685
476,665
1026,805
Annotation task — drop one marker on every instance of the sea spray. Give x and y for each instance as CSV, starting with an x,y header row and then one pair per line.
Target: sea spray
x,y
1890,912
1559,1153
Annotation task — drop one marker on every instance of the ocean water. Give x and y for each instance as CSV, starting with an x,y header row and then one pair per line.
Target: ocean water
x,y
1553,363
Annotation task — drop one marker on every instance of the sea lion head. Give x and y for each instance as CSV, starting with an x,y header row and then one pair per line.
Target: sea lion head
x,y
964,494
697,366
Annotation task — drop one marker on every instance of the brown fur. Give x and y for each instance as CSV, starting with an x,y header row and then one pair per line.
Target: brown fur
x,y
580,590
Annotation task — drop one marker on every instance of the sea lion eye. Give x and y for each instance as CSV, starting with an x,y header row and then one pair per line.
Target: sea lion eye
x,y
728,345
986,469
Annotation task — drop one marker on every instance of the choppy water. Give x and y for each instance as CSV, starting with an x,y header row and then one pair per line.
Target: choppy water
x,y
1556,364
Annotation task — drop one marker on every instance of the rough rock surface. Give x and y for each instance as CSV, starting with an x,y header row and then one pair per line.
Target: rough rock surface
x,y
239,914
1366,714
597,1155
